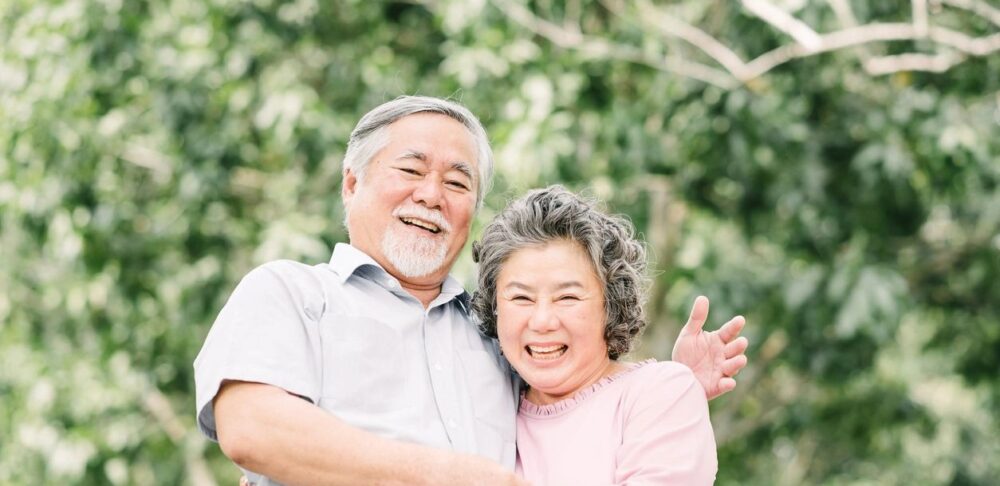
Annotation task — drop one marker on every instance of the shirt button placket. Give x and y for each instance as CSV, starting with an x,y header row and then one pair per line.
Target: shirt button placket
x,y
437,343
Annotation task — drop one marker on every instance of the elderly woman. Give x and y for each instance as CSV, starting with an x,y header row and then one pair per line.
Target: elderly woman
x,y
561,286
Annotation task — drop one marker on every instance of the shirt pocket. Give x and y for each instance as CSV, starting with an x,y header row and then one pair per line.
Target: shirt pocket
x,y
493,406
362,365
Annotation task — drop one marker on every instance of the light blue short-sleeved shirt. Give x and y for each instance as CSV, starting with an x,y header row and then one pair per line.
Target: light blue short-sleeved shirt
x,y
348,338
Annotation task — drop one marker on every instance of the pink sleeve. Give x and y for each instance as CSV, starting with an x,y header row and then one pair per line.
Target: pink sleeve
x,y
668,437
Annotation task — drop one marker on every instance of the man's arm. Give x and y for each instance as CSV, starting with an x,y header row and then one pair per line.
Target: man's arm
x,y
714,357
269,431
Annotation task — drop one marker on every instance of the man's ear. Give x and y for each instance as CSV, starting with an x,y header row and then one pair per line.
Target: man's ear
x,y
348,186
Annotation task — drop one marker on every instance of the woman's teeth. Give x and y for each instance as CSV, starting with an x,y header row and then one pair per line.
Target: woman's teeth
x,y
546,352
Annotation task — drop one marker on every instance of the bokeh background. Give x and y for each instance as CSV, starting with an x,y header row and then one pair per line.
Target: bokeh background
x,y
830,169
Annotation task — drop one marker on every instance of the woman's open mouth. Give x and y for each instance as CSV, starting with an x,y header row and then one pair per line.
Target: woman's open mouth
x,y
546,352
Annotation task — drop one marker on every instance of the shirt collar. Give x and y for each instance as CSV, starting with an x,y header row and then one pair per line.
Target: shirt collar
x,y
348,260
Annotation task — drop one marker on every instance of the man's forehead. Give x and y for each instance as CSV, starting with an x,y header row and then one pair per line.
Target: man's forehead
x,y
426,119
413,137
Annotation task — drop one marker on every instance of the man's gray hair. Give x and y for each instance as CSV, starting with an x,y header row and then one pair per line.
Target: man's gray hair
x,y
370,135
553,214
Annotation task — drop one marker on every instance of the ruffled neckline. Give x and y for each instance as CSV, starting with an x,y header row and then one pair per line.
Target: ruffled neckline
x,y
567,404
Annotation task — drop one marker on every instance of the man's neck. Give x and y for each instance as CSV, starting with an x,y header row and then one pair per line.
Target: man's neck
x,y
425,289
424,293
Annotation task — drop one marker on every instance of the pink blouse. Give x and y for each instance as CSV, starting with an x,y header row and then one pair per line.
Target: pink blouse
x,y
647,424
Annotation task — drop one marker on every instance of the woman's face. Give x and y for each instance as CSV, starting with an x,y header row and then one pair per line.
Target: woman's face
x,y
550,320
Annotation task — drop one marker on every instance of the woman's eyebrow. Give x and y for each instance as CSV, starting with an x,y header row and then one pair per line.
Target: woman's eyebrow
x,y
569,284
560,286
518,285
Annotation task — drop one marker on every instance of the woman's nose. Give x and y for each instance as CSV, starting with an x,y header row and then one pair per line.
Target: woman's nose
x,y
543,318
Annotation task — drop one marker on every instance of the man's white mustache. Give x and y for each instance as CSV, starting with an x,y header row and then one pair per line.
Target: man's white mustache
x,y
420,212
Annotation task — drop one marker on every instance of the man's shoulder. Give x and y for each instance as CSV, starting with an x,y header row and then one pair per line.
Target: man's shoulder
x,y
288,278
287,271
290,266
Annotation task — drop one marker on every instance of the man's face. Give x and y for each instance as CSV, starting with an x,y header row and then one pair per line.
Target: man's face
x,y
411,211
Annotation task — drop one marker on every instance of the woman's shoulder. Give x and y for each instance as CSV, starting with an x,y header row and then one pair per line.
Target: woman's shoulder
x,y
663,370
661,381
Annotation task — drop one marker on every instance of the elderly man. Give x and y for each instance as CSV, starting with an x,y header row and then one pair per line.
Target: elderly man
x,y
367,369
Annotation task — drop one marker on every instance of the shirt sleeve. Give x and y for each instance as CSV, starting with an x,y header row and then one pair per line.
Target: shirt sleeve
x,y
668,437
266,333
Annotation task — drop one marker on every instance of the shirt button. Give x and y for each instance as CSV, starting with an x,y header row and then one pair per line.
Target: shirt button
x,y
452,424
438,367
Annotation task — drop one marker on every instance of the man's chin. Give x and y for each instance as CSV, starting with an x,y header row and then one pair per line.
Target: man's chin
x,y
415,272
412,263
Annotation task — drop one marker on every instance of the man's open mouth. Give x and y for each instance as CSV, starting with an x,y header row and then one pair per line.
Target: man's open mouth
x,y
546,352
424,225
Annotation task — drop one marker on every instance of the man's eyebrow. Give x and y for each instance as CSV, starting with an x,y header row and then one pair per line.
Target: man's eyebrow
x,y
464,168
413,154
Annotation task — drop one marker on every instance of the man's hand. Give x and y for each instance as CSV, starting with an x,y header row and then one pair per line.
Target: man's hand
x,y
714,357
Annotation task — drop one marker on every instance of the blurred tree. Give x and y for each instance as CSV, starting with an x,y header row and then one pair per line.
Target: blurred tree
x,y
846,199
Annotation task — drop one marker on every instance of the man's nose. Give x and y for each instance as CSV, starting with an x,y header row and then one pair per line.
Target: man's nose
x,y
428,191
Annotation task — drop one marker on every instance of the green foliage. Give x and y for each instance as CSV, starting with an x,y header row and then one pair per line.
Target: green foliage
x,y
151,153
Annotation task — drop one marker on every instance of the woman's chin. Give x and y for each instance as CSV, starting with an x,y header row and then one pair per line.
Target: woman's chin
x,y
546,388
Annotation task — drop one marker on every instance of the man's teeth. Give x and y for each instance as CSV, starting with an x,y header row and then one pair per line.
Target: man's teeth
x,y
547,352
423,224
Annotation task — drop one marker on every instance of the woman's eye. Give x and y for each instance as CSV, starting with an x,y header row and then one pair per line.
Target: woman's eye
x,y
520,298
568,298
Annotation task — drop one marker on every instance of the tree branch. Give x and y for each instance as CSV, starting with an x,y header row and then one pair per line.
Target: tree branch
x,y
977,7
936,63
159,407
920,22
670,26
753,378
807,41
845,15
975,46
785,22
573,38
842,9
865,34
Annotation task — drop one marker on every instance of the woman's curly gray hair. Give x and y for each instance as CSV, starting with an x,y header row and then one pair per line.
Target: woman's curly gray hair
x,y
554,213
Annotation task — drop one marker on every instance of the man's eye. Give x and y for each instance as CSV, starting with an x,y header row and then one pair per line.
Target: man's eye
x,y
409,171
